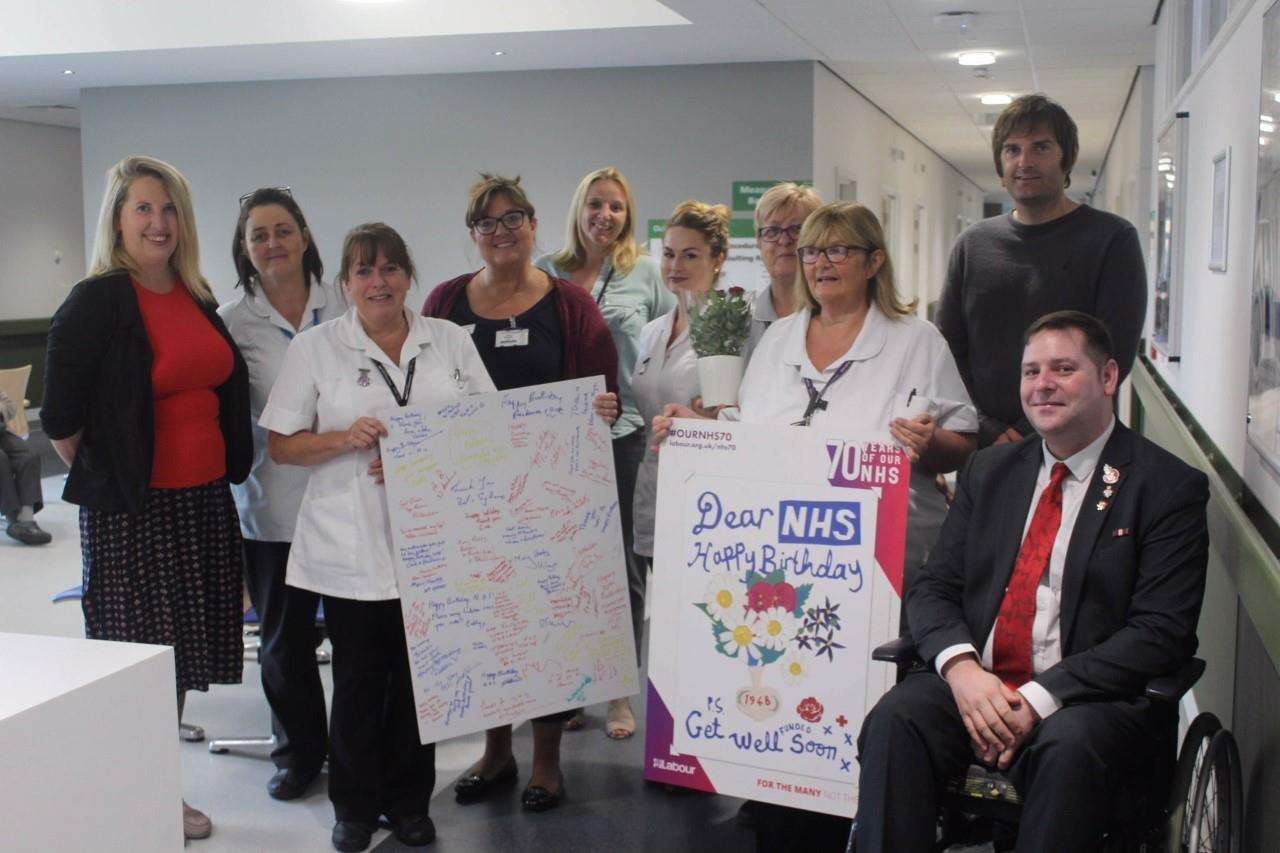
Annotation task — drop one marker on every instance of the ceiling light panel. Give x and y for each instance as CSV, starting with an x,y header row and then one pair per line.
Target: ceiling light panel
x,y
90,26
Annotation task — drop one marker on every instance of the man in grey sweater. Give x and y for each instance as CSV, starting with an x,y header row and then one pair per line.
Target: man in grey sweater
x,y
1049,254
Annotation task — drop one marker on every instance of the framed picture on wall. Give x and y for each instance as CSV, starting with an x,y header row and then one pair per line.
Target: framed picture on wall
x,y
1221,208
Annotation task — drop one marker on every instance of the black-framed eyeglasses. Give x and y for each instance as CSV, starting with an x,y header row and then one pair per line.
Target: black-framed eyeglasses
x,y
773,233
511,221
835,254
286,190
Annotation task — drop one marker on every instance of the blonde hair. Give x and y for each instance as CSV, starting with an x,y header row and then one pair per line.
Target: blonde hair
x,y
624,251
855,225
709,220
109,253
786,194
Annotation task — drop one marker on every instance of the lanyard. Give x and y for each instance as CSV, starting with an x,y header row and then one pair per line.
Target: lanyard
x,y
608,277
816,401
401,399
315,321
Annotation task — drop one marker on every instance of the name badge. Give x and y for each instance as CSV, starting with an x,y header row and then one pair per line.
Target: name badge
x,y
470,328
511,338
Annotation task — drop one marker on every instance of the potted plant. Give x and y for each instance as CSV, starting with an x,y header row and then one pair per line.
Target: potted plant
x,y
718,329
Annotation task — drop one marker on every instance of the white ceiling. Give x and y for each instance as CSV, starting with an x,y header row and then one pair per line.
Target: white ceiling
x,y
899,53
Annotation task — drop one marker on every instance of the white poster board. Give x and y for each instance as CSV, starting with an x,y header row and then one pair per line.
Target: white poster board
x,y
772,584
508,550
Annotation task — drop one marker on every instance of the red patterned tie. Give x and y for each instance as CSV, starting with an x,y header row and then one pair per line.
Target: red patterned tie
x,y
1011,649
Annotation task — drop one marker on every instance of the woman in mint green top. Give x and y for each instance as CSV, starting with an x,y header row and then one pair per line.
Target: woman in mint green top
x,y
600,255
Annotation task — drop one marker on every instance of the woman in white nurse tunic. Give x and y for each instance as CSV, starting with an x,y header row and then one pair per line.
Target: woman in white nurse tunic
x,y
855,358
323,414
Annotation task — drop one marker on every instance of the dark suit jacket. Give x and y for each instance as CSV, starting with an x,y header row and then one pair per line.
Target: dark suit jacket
x,y
1133,580
98,379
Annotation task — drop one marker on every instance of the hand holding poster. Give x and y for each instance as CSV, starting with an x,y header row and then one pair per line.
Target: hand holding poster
x,y
504,521
772,585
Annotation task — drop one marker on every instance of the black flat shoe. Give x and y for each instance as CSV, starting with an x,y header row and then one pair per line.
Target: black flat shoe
x,y
413,830
538,799
352,836
290,783
474,787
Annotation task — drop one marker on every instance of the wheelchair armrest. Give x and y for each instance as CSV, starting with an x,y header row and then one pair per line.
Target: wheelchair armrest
x,y
901,651
1171,687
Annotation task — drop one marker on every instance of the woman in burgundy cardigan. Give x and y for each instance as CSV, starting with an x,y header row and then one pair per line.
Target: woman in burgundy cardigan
x,y
529,328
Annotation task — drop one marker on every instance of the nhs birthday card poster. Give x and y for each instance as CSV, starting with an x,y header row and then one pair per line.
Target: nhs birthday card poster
x,y
778,566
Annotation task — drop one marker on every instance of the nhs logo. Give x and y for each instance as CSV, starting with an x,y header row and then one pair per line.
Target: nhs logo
x,y
820,522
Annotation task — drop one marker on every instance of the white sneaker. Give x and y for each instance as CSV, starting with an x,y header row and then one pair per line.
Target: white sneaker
x,y
195,823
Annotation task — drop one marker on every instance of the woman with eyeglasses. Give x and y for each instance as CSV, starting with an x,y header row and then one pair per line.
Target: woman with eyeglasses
x,y
855,357
779,214
147,401
600,255
279,269
530,328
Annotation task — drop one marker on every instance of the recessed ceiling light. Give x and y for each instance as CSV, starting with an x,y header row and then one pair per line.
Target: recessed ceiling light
x,y
67,72
499,53
977,57
997,99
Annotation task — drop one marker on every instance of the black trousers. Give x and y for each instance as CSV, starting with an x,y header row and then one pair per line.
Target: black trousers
x,y
290,677
628,453
20,475
376,766
914,740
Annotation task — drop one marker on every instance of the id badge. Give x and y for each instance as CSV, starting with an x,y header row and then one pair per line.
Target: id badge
x,y
511,338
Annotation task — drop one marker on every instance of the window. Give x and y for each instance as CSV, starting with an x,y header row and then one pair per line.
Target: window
x,y
1170,193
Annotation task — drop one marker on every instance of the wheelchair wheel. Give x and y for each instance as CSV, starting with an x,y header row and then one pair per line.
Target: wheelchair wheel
x,y
1195,747
1217,816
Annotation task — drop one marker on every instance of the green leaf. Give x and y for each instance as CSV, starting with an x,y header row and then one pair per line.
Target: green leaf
x,y
768,656
753,578
776,576
802,595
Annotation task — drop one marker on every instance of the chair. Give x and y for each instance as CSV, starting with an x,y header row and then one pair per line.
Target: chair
x,y
187,731
253,647
13,382
1191,802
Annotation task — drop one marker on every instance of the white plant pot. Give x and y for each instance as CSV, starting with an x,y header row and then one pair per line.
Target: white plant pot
x,y
719,377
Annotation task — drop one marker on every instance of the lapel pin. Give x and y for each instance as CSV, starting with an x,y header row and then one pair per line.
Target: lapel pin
x,y
1108,492
1101,506
363,379
1110,475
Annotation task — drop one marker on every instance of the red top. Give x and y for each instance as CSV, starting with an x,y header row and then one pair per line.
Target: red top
x,y
588,346
189,360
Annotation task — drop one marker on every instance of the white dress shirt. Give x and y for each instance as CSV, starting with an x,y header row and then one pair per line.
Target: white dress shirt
x,y
342,543
268,500
663,375
891,359
1046,630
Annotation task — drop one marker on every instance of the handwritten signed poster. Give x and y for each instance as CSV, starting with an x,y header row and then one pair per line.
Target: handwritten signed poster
x,y
773,583
508,547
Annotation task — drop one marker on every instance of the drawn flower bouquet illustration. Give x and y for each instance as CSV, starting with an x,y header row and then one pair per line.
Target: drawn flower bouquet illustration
x,y
764,620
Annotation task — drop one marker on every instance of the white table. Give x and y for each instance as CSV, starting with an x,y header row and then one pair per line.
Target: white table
x,y
88,760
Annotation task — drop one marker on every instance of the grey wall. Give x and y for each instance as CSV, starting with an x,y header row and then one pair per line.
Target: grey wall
x,y
40,218
405,149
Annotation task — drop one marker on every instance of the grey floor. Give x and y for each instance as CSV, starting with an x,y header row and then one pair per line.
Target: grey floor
x,y
608,806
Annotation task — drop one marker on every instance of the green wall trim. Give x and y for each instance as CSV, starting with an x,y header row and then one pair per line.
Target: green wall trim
x,y
1251,555
34,326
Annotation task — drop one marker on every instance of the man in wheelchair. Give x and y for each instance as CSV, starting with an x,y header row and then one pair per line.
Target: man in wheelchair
x,y
1069,572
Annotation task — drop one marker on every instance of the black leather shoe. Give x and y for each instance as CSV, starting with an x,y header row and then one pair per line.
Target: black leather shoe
x,y
290,783
352,836
474,787
414,830
538,799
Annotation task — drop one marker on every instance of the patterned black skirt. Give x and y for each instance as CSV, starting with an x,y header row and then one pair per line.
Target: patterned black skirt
x,y
171,575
